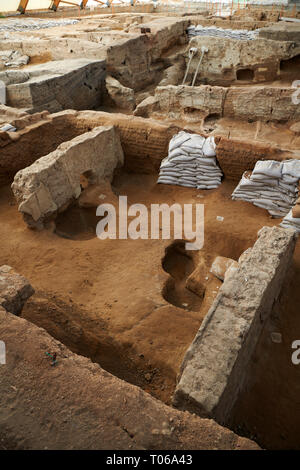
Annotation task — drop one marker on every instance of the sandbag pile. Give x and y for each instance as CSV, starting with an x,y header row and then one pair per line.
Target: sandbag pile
x,y
241,34
271,185
191,162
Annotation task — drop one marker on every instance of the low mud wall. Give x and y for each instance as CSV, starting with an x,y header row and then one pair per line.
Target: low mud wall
x,y
256,102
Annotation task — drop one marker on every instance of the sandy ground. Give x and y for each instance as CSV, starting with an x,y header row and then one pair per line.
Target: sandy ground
x,y
104,299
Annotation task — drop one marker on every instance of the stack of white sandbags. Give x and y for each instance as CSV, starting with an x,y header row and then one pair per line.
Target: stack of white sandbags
x,y
291,222
272,185
191,162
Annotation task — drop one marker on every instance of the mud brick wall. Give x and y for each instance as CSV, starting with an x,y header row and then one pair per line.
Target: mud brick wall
x,y
256,103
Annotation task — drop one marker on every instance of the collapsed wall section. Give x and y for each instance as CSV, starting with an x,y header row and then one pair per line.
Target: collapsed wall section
x,y
214,372
135,62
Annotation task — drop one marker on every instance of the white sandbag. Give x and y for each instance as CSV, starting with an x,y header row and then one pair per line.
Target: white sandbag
x,y
197,141
182,159
207,186
291,222
286,178
291,168
178,139
289,188
167,180
265,187
189,149
177,152
263,179
264,204
187,185
208,161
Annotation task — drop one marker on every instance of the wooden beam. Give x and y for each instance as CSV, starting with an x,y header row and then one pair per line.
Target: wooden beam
x,y
83,4
22,6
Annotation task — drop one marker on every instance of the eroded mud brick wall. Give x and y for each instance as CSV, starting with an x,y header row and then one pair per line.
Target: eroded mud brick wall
x,y
75,84
256,103
215,368
236,156
144,141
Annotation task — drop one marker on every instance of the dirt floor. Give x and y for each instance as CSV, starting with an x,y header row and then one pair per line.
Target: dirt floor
x,y
107,299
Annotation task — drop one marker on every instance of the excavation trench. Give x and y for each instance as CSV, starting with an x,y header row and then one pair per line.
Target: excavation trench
x,y
125,303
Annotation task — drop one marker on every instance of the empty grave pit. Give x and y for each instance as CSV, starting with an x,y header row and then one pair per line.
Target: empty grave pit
x,y
206,331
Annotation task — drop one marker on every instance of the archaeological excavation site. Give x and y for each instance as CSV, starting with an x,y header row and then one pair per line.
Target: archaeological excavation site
x,y
150,212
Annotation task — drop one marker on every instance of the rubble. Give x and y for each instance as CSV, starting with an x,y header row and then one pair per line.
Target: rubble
x,y
221,265
122,96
